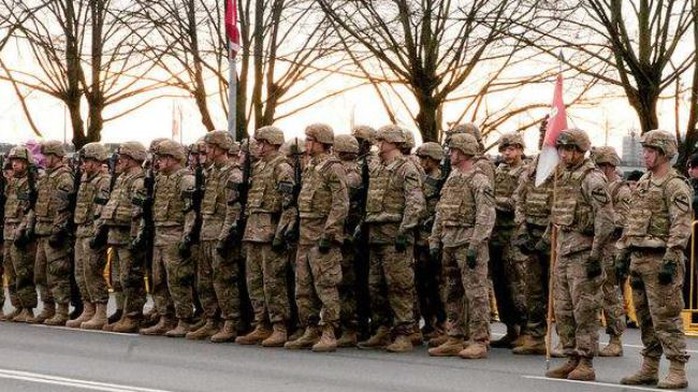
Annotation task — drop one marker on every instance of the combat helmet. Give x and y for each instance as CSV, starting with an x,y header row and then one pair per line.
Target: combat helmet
x,y
234,149
661,140
170,148
322,133
133,150
52,147
409,139
464,142
220,139
364,132
21,152
574,137
154,144
511,139
270,134
391,134
95,151
431,150
346,144
291,144
607,155
468,128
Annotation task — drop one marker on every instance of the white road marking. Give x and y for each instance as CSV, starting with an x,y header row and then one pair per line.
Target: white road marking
x,y
594,383
72,382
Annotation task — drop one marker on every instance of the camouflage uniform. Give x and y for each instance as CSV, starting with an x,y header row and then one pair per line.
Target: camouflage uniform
x,y
658,229
53,265
582,212
18,261
394,207
123,219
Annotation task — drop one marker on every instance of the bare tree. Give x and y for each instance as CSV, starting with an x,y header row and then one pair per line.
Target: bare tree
x,y
689,142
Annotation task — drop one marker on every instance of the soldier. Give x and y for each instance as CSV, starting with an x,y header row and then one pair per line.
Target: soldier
x,y
122,217
582,212
394,205
480,160
658,229
532,216
465,216
173,220
608,160
90,256
197,162
220,211
19,244
346,147
270,219
427,273
507,263
53,266
323,204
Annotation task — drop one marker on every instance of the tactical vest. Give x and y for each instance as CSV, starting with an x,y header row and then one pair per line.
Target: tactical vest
x,y
119,208
48,198
386,195
214,202
571,210
85,206
264,195
649,218
168,201
537,204
457,204
17,194
315,198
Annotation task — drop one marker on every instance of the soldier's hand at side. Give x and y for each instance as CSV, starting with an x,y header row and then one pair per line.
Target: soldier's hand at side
x,y
278,245
323,245
434,255
667,272
401,243
221,247
471,258
21,239
184,250
542,246
57,239
621,264
594,266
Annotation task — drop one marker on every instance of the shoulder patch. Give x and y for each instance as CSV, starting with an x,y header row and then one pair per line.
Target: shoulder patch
x,y
599,194
681,202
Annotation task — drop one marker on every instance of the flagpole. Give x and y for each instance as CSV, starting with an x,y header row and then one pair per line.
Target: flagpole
x,y
232,95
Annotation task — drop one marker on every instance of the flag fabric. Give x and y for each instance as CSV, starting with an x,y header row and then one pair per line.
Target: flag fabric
x,y
176,122
557,122
231,27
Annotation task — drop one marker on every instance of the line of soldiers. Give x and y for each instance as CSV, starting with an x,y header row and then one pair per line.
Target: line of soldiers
x,y
288,243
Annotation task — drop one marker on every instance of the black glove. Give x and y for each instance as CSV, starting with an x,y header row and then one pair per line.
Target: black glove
x,y
594,266
525,244
184,247
621,264
428,223
291,235
542,246
100,238
434,255
22,239
278,245
137,243
400,243
323,245
471,258
667,272
57,239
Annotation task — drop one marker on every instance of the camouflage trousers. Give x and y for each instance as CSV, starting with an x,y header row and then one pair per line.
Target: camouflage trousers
x,y
347,289
537,267
266,283
225,279
467,303
658,306
167,269
114,281
21,264
507,273
317,278
89,271
204,284
8,273
391,287
427,275
131,277
577,303
611,297
52,270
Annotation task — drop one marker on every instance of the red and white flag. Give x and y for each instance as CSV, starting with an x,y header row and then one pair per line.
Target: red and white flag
x,y
557,122
231,27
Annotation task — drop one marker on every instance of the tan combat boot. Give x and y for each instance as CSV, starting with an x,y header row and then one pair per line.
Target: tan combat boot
x,y
348,339
258,334
613,349
401,344
98,320
205,332
416,336
24,316
451,347
46,313
308,340
378,341
328,342
564,370
476,350
676,379
584,371
647,375
127,324
163,325
530,346
87,312
507,340
438,340
116,316
278,337
10,316
60,317
183,327
227,333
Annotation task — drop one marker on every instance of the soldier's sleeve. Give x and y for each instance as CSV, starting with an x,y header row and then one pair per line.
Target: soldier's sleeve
x,y
63,193
621,206
339,208
101,198
284,175
519,199
232,212
138,189
186,191
679,197
485,213
595,191
415,204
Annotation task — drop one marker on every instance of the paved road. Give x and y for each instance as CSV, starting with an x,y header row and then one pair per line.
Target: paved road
x,y
38,358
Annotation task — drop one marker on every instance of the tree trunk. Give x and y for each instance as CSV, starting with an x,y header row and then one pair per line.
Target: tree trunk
x,y
77,124
258,51
645,104
427,118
